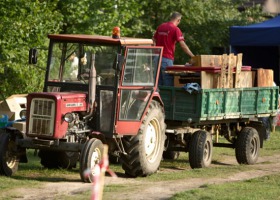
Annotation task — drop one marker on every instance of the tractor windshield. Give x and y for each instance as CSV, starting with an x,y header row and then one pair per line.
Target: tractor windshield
x,y
71,63
141,67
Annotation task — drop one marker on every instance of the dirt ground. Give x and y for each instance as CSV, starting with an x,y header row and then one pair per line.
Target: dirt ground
x,y
150,190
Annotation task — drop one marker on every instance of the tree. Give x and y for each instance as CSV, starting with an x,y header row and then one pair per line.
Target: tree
x,y
99,16
24,24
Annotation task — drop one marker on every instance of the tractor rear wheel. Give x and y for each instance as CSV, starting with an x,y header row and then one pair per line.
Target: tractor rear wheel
x,y
8,159
144,150
201,149
247,146
91,155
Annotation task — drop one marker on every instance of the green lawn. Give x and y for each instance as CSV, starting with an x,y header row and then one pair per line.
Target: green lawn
x,y
261,188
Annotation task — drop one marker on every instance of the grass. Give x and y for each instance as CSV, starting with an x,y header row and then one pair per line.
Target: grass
x,y
261,188
32,175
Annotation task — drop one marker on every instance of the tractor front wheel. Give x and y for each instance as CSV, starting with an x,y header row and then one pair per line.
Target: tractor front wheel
x,y
91,155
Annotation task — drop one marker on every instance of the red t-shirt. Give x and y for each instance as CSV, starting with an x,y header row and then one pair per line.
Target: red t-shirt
x,y
167,34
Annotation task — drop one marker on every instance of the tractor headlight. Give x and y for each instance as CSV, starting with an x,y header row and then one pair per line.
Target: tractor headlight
x,y
22,114
69,117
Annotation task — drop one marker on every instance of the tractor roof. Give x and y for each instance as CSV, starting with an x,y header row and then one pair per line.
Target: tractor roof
x,y
100,39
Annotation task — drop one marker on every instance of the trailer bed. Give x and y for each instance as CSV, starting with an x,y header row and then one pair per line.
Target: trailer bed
x,y
210,105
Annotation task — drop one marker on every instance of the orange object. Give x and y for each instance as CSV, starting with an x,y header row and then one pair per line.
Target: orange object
x,y
116,34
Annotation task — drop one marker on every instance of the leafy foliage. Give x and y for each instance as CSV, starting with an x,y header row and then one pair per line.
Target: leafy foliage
x,y
26,23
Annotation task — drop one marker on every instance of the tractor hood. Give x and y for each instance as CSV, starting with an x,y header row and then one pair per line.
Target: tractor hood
x,y
48,109
69,101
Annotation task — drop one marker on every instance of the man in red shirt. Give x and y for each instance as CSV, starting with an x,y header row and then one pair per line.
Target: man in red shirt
x,y
167,35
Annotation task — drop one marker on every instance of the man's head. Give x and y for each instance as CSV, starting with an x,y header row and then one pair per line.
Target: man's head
x,y
175,18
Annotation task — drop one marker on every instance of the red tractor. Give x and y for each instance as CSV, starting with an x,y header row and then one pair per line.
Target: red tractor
x,y
98,90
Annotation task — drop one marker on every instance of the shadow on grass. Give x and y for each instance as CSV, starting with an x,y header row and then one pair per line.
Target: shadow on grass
x,y
214,162
121,175
39,173
45,179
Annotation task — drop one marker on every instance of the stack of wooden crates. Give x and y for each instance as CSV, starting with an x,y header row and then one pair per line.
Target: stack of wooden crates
x,y
230,74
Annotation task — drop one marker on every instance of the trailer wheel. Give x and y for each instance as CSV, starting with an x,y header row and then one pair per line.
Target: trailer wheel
x,y
247,146
200,150
144,150
58,159
8,159
91,155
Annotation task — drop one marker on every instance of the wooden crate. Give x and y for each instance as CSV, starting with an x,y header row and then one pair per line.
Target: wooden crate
x,y
264,77
213,80
230,76
207,60
210,80
246,79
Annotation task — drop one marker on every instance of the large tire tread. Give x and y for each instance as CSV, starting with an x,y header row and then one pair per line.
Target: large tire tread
x,y
247,146
197,151
135,163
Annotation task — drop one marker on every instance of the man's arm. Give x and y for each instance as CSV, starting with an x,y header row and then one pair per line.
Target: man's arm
x,y
185,48
154,41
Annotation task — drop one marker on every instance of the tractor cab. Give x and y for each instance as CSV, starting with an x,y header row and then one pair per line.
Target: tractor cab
x,y
117,75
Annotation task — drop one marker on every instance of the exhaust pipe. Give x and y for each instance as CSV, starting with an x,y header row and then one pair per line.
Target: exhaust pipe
x,y
92,87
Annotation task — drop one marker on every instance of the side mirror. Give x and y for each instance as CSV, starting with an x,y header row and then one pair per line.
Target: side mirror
x,y
33,55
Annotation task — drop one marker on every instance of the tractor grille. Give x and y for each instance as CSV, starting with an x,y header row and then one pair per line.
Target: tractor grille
x,y
42,117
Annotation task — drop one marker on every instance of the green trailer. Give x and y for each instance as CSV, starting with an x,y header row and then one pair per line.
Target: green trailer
x,y
196,120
